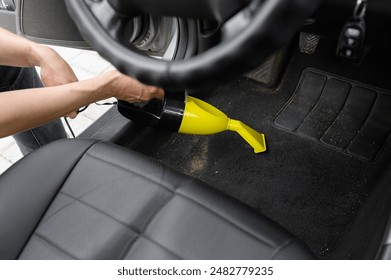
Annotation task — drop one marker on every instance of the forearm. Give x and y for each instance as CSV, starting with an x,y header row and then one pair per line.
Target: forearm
x,y
24,109
20,52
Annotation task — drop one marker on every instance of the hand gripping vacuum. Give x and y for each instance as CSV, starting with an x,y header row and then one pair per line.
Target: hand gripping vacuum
x,y
191,116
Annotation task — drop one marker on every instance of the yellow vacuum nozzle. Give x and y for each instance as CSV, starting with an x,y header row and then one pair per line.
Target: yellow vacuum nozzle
x,y
254,138
202,118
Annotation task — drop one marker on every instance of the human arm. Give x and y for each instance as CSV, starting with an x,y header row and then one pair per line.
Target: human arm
x,y
20,52
24,109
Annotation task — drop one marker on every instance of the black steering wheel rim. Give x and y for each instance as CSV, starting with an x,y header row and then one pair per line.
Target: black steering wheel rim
x,y
273,24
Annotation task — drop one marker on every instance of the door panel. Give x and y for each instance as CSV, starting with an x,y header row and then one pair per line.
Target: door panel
x,y
7,15
47,21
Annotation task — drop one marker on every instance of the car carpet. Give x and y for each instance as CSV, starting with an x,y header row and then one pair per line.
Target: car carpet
x,y
348,116
312,189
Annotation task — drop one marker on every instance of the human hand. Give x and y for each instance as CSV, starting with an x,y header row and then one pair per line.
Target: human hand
x,y
131,90
55,70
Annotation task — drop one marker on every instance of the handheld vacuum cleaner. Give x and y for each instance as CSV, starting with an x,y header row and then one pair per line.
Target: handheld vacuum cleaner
x,y
189,116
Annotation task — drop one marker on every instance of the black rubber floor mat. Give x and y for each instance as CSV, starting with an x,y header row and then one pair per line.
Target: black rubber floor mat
x,y
349,116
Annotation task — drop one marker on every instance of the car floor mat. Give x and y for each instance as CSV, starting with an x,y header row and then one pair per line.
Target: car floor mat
x,y
346,115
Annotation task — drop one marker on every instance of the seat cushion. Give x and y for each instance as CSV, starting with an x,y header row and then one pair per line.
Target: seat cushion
x,y
108,202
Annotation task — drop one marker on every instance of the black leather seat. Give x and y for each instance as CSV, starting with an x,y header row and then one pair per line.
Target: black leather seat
x,y
83,199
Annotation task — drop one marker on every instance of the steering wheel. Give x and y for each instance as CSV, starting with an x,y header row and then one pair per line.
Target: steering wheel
x,y
250,30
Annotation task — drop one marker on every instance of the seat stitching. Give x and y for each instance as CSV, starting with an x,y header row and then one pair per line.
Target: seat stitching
x,y
60,209
173,192
132,171
152,217
94,189
129,247
122,223
129,227
154,214
197,202
282,246
158,210
63,192
83,194
224,218
161,246
104,213
154,242
60,187
54,245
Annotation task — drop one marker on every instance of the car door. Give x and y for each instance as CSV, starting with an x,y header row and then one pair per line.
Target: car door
x,y
7,15
43,21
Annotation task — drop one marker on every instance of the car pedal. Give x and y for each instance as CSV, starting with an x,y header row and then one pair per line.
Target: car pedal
x,y
308,43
